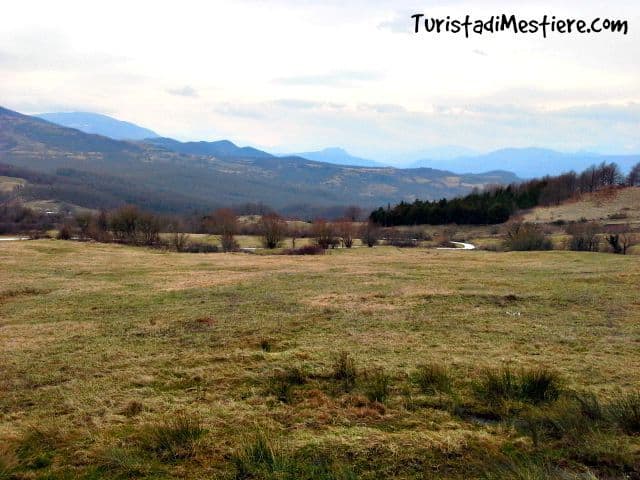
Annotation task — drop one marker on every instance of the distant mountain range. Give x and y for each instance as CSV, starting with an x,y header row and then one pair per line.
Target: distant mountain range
x,y
99,124
339,156
528,162
524,162
221,148
165,175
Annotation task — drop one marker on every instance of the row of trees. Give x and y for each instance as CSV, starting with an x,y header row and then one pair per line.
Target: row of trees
x,y
496,204
131,225
17,218
582,237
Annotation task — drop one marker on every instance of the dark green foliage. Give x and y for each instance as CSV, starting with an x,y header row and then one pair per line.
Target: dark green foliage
x,y
432,378
497,204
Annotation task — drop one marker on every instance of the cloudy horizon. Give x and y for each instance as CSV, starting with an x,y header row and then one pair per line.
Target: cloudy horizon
x,y
292,76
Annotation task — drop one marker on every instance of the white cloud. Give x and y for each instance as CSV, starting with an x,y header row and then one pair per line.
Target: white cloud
x,y
298,74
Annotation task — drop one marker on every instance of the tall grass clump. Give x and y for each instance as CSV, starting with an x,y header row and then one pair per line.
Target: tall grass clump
x,y
37,447
260,458
527,468
532,386
539,386
282,383
344,370
175,438
432,378
624,411
8,463
376,385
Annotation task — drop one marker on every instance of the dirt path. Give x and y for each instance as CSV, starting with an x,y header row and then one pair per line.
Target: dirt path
x,y
463,246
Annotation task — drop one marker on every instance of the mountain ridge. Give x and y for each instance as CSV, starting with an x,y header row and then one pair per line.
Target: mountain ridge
x,y
41,146
96,123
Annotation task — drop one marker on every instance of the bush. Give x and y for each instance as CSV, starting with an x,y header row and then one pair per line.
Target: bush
x,y
432,378
176,438
584,237
65,232
228,243
401,238
527,237
306,250
376,385
324,234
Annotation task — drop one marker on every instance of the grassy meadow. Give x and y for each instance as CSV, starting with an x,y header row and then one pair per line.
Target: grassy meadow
x,y
126,362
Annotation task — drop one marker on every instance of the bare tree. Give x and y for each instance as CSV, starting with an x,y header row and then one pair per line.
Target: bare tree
x,y
633,179
370,234
224,222
273,230
324,234
584,237
346,230
179,241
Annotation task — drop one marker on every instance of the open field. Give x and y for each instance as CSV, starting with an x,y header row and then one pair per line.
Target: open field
x,y
610,206
124,362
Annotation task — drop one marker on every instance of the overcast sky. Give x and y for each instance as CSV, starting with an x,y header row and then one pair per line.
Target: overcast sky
x,y
291,75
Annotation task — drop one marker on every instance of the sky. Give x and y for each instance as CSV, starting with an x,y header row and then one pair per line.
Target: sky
x,y
300,75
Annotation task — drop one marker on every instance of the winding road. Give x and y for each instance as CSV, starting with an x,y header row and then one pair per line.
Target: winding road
x,y
463,246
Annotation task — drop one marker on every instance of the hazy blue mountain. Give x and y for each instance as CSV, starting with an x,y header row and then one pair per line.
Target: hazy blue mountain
x,y
444,152
96,171
99,124
339,156
528,162
221,148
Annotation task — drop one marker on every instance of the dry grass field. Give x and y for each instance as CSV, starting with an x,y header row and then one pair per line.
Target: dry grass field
x,y
124,362
611,206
